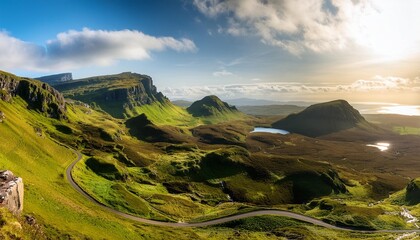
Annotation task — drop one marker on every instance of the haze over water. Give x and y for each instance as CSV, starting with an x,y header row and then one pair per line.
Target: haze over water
x,y
377,108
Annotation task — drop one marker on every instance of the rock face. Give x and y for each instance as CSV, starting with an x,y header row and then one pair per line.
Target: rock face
x,y
321,119
39,96
116,94
209,106
56,78
412,195
11,192
2,116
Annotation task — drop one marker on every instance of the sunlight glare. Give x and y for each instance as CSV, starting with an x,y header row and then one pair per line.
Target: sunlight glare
x,y
401,110
387,29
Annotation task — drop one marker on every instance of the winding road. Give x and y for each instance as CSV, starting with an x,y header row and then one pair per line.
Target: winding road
x,y
282,213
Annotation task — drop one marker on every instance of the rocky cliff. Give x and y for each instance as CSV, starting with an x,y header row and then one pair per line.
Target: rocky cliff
x,y
11,192
116,94
39,96
56,78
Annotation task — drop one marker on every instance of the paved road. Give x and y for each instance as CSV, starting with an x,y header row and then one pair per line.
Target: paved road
x,y
219,220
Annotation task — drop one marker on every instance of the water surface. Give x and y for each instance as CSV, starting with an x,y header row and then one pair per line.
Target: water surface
x,y
270,130
383,146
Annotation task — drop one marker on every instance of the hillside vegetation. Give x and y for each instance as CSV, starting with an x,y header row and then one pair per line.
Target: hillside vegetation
x,y
163,163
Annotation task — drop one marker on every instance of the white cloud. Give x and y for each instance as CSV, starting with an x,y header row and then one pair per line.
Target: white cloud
x,y
88,47
382,83
386,26
222,73
16,53
377,84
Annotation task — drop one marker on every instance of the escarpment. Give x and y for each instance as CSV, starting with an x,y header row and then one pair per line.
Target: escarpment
x,y
39,96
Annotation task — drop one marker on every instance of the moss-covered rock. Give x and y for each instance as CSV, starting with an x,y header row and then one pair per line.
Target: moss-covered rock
x,y
412,195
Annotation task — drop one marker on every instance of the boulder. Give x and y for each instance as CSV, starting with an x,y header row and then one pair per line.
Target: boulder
x,y
11,192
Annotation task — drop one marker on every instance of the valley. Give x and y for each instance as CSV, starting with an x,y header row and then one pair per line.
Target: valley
x,y
117,154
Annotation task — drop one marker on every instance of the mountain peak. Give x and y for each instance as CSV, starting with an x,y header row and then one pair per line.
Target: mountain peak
x,y
210,106
322,119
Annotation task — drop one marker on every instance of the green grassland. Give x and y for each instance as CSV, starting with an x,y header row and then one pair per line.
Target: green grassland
x,y
182,182
218,169
404,125
57,207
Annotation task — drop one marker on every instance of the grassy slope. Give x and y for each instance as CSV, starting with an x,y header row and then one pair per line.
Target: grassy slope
x,y
169,114
404,125
165,114
48,196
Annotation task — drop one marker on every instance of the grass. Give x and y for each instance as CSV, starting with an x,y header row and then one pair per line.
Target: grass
x,y
274,227
57,207
182,182
407,130
13,227
165,114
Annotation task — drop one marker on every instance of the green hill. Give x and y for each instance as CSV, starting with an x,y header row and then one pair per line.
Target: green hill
x,y
142,128
210,106
322,119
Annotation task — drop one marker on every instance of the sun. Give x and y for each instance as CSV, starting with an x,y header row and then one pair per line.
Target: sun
x,y
387,29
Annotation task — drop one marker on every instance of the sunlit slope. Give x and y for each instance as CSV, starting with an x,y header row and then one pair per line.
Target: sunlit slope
x,y
31,154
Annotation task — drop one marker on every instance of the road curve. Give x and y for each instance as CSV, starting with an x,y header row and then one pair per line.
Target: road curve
x,y
221,220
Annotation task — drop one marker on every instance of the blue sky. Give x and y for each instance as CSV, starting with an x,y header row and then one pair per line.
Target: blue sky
x,y
365,50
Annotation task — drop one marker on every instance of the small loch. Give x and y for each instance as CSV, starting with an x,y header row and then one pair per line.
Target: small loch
x,y
269,130
383,146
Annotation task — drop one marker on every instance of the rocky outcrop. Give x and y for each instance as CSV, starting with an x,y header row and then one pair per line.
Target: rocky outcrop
x,y
141,94
2,116
210,106
11,192
39,96
412,195
56,78
117,94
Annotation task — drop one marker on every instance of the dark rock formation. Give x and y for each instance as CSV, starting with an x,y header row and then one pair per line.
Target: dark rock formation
x,y
11,192
56,78
39,96
322,119
412,195
210,106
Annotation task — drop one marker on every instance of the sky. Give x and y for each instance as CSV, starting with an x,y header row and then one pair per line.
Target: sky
x,y
284,50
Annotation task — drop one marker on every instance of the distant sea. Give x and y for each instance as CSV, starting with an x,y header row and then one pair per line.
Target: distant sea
x,y
386,108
